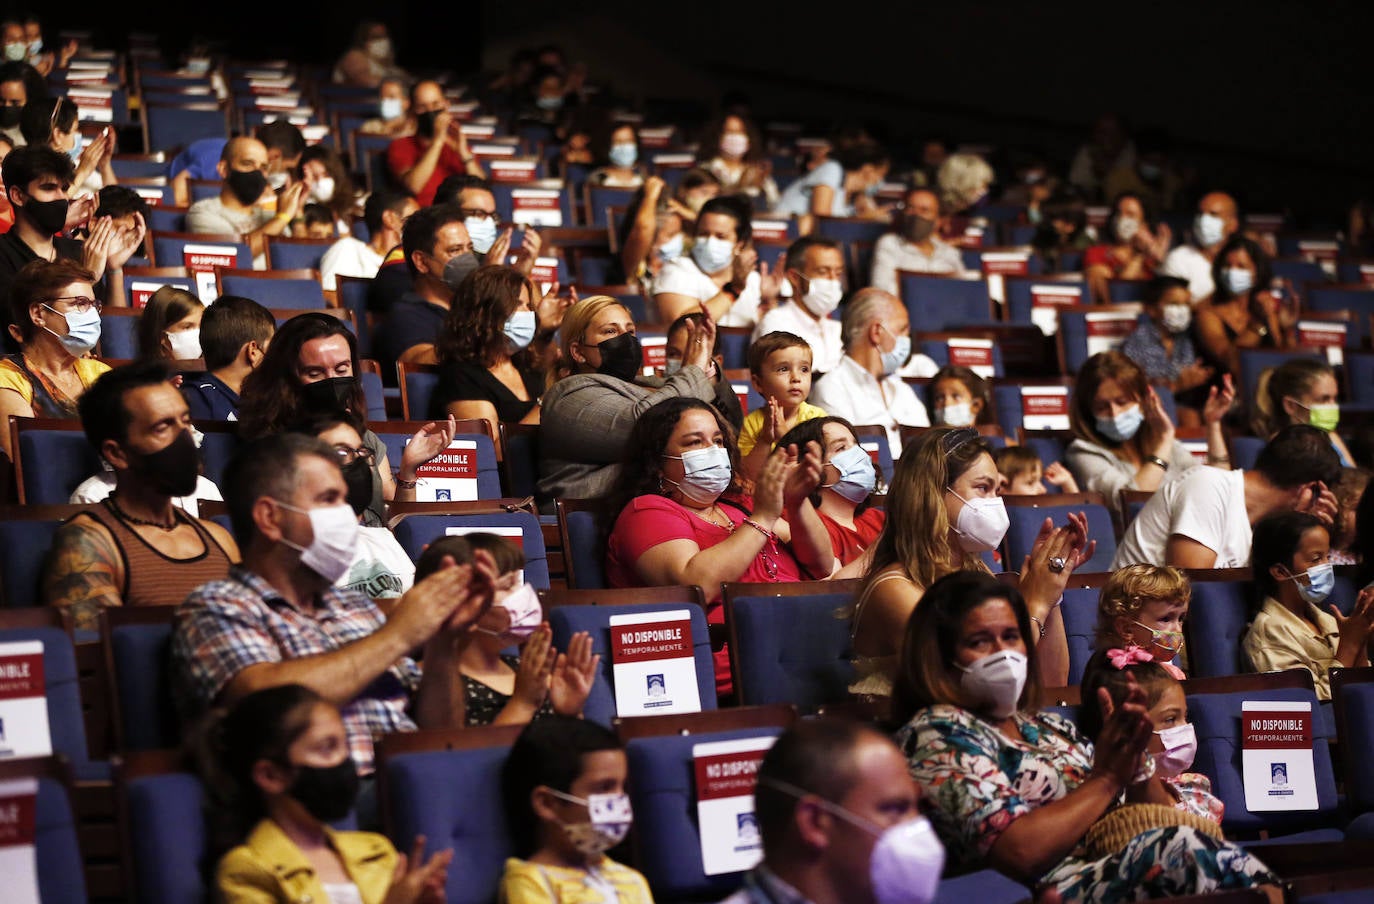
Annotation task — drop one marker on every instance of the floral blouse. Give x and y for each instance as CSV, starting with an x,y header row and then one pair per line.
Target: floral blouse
x,y
1195,796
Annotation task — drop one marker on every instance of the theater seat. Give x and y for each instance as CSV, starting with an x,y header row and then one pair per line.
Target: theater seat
x,y
163,813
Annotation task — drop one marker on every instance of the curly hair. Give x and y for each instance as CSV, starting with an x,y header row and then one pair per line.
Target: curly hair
x,y
1131,589
475,326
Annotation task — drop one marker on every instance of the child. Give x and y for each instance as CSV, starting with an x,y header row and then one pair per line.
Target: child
x,y
780,369
1023,475
319,222
564,790
502,689
1349,490
959,398
1172,745
1143,607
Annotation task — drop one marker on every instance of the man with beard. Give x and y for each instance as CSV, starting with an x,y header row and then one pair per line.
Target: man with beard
x,y
437,150
136,548
916,246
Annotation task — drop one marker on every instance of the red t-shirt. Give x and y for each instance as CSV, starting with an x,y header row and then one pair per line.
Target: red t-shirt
x,y
648,521
1102,255
848,544
403,153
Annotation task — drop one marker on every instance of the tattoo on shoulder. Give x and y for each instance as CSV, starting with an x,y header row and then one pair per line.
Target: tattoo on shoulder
x,y
79,575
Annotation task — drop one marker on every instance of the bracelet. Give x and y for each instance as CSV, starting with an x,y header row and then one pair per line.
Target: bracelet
x,y
1218,460
406,484
761,529
1039,624
1156,460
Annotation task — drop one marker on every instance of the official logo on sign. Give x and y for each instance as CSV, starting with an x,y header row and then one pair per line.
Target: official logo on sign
x,y
655,686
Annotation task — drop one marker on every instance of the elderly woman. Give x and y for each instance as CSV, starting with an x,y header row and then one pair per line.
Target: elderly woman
x,y
55,318
592,401
682,517
1017,789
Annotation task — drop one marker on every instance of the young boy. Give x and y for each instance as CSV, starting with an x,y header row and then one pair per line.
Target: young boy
x,y
1023,475
319,222
780,369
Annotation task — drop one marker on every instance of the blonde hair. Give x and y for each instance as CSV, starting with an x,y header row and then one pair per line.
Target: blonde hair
x,y
575,323
962,178
1289,379
1131,589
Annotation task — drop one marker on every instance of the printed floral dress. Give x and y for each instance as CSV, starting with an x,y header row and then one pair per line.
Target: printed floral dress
x,y
977,782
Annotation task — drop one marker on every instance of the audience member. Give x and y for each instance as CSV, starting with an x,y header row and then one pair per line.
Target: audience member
x,y
384,214
370,58
840,822
1162,346
651,235
959,398
739,159
1134,246
285,144
135,548
234,335
1242,312
316,222
815,273
719,274
1203,520
1142,607
13,97
1294,576
41,58
1349,492
393,111
52,123
128,213
1022,473
946,515
438,149
914,245
1015,788
1152,176
964,181
169,326
617,150
865,388
1217,220
564,790
780,369
675,346
327,182
241,208
1062,238
473,196
1301,391
843,187
278,618
849,477
1110,147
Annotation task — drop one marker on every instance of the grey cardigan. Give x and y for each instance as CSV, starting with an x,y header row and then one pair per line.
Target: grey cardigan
x,y
1098,470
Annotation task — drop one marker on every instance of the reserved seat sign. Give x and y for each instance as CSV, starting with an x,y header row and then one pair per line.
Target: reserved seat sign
x,y
726,773
18,831
653,663
23,704
1276,756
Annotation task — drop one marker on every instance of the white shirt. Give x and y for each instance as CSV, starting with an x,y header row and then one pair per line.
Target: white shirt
x,y
892,253
1206,505
822,335
1186,262
94,489
851,392
682,276
348,257
380,568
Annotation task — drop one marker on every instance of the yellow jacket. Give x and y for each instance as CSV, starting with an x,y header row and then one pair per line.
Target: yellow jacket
x,y
530,883
269,869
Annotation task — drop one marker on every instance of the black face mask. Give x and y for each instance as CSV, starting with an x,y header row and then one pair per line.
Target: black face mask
x,y
246,186
458,268
171,470
424,123
329,396
9,116
50,217
327,794
917,229
357,476
622,357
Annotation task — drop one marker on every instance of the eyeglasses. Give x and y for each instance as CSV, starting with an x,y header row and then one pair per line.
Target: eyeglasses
x,y
348,455
475,214
80,303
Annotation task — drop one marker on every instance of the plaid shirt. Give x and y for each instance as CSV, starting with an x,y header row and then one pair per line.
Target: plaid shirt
x,y
226,626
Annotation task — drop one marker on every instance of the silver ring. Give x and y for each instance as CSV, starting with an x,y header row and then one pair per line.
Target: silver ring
x,y
1057,564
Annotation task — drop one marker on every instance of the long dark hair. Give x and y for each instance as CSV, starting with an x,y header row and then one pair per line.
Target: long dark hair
x,y
272,398
813,431
474,329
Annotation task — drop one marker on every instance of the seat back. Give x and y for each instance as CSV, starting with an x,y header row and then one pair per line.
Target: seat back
x,y
418,382
1079,611
177,125
1245,451
352,296
1085,331
939,303
568,620
1044,401
1027,513
24,543
274,289
788,642
66,725
141,282
164,813
986,886
581,541
1217,619
1353,691
1255,361
138,654
520,453
415,532
296,254
599,197
119,332
395,436
52,459
57,849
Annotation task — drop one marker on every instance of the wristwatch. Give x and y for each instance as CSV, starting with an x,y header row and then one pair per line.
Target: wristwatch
x,y
1156,460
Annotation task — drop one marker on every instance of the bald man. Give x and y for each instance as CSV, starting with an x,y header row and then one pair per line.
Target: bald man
x,y
245,206
1217,220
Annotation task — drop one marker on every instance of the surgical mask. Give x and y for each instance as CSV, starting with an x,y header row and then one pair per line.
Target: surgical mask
x,y
1165,640
917,229
1238,280
1321,580
16,52
609,817
276,180
996,681
74,151
482,231
712,254
671,366
1208,229
857,476
328,794
1123,427
526,613
519,330
172,470
734,144
335,540
458,268
624,154
379,48
329,395
323,189
50,217
823,296
1126,228
35,47
185,344
553,102
83,330
392,108
247,186
621,357
901,350
1177,317
671,250
1180,747
358,478
706,473
959,414
982,523
1323,417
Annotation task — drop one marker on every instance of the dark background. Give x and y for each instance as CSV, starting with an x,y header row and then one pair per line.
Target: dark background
x,y
1270,100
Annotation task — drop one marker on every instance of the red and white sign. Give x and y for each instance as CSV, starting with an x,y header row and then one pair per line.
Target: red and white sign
x,y
18,832
201,261
520,169
93,104
493,149
510,533
1045,407
1048,298
726,774
1097,216
742,393
149,193
656,137
477,130
451,476
544,273
141,291
975,354
536,206
23,703
770,230
653,663
1367,274
1327,335
1319,251
1108,329
674,160
872,448
1276,756
997,265
655,349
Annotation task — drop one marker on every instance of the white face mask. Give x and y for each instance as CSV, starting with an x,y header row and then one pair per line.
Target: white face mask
x,y
706,474
1177,317
823,296
379,48
982,523
276,180
609,817
1180,746
392,108
734,144
671,250
996,681
857,475
1126,228
1208,229
323,189
185,344
957,415
712,254
482,232
335,540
